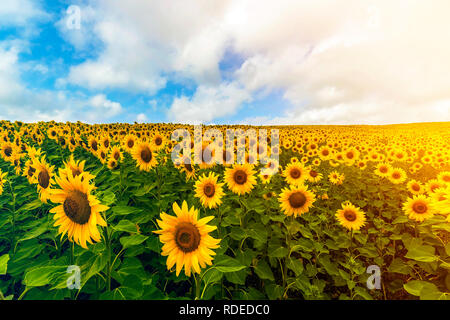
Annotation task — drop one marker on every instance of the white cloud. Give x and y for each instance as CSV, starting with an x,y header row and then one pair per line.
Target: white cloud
x,y
208,103
20,13
103,105
18,102
141,118
335,61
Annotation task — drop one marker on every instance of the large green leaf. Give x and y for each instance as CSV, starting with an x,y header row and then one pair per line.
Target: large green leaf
x,y
423,253
4,263
134,240
264,271
228,264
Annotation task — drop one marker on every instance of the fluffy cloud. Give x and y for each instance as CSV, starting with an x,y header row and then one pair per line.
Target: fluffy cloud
x,y
20,13
336,61
208,103
18,102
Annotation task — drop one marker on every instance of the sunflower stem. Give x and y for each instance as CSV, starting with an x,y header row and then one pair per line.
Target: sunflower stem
x,y
197,283
108,265
13,245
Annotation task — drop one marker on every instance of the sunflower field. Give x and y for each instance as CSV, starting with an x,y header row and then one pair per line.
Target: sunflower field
x,y
109,202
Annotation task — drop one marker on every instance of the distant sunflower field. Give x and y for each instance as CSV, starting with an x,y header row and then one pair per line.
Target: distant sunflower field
x,y
109,200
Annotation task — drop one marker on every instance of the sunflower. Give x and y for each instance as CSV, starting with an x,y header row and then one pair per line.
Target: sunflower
x,y
313,175
397,176
129,142
116,154
444,177
44,177
296,200
383,170
28,171
209,190
8,151
73,167
336,178
93,144
433,185
419,208
111,163
79,212
144,156
2,180
240,178
295,173
415,187
186,239
265,178
350,216
158,141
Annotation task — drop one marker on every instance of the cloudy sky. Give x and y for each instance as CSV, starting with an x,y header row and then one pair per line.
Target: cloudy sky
x,y
219,61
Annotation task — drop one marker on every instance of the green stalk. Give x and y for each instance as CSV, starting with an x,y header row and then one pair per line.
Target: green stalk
x,y
13,217
108,266
197,284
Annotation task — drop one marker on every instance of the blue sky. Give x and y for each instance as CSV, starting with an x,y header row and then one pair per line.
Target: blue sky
x,y
251,62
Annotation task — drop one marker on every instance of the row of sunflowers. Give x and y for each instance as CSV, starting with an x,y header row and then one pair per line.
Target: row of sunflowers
x,y
111,200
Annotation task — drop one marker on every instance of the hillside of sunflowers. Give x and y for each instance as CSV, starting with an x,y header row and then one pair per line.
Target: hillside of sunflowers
x,y
110,201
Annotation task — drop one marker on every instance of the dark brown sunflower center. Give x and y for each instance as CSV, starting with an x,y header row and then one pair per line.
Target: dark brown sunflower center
x,y
446,178
297,200
8,151
77,208
420,207
295,173
240,177
349,215
130,144
31,171
116,156
383,169
209,190
146,155
187,237
313,173
106,143
158,141
94,145
44,179
325,152
396,175
415,187
75,172
350,155
188,167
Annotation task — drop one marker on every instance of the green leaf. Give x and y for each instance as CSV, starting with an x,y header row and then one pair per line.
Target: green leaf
x,y
280,252
363,293
125,226
228,264
423,253
399,266
295,265
41,276
400,219
264,271
133,240
125,210
329,266
425,290
4,263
